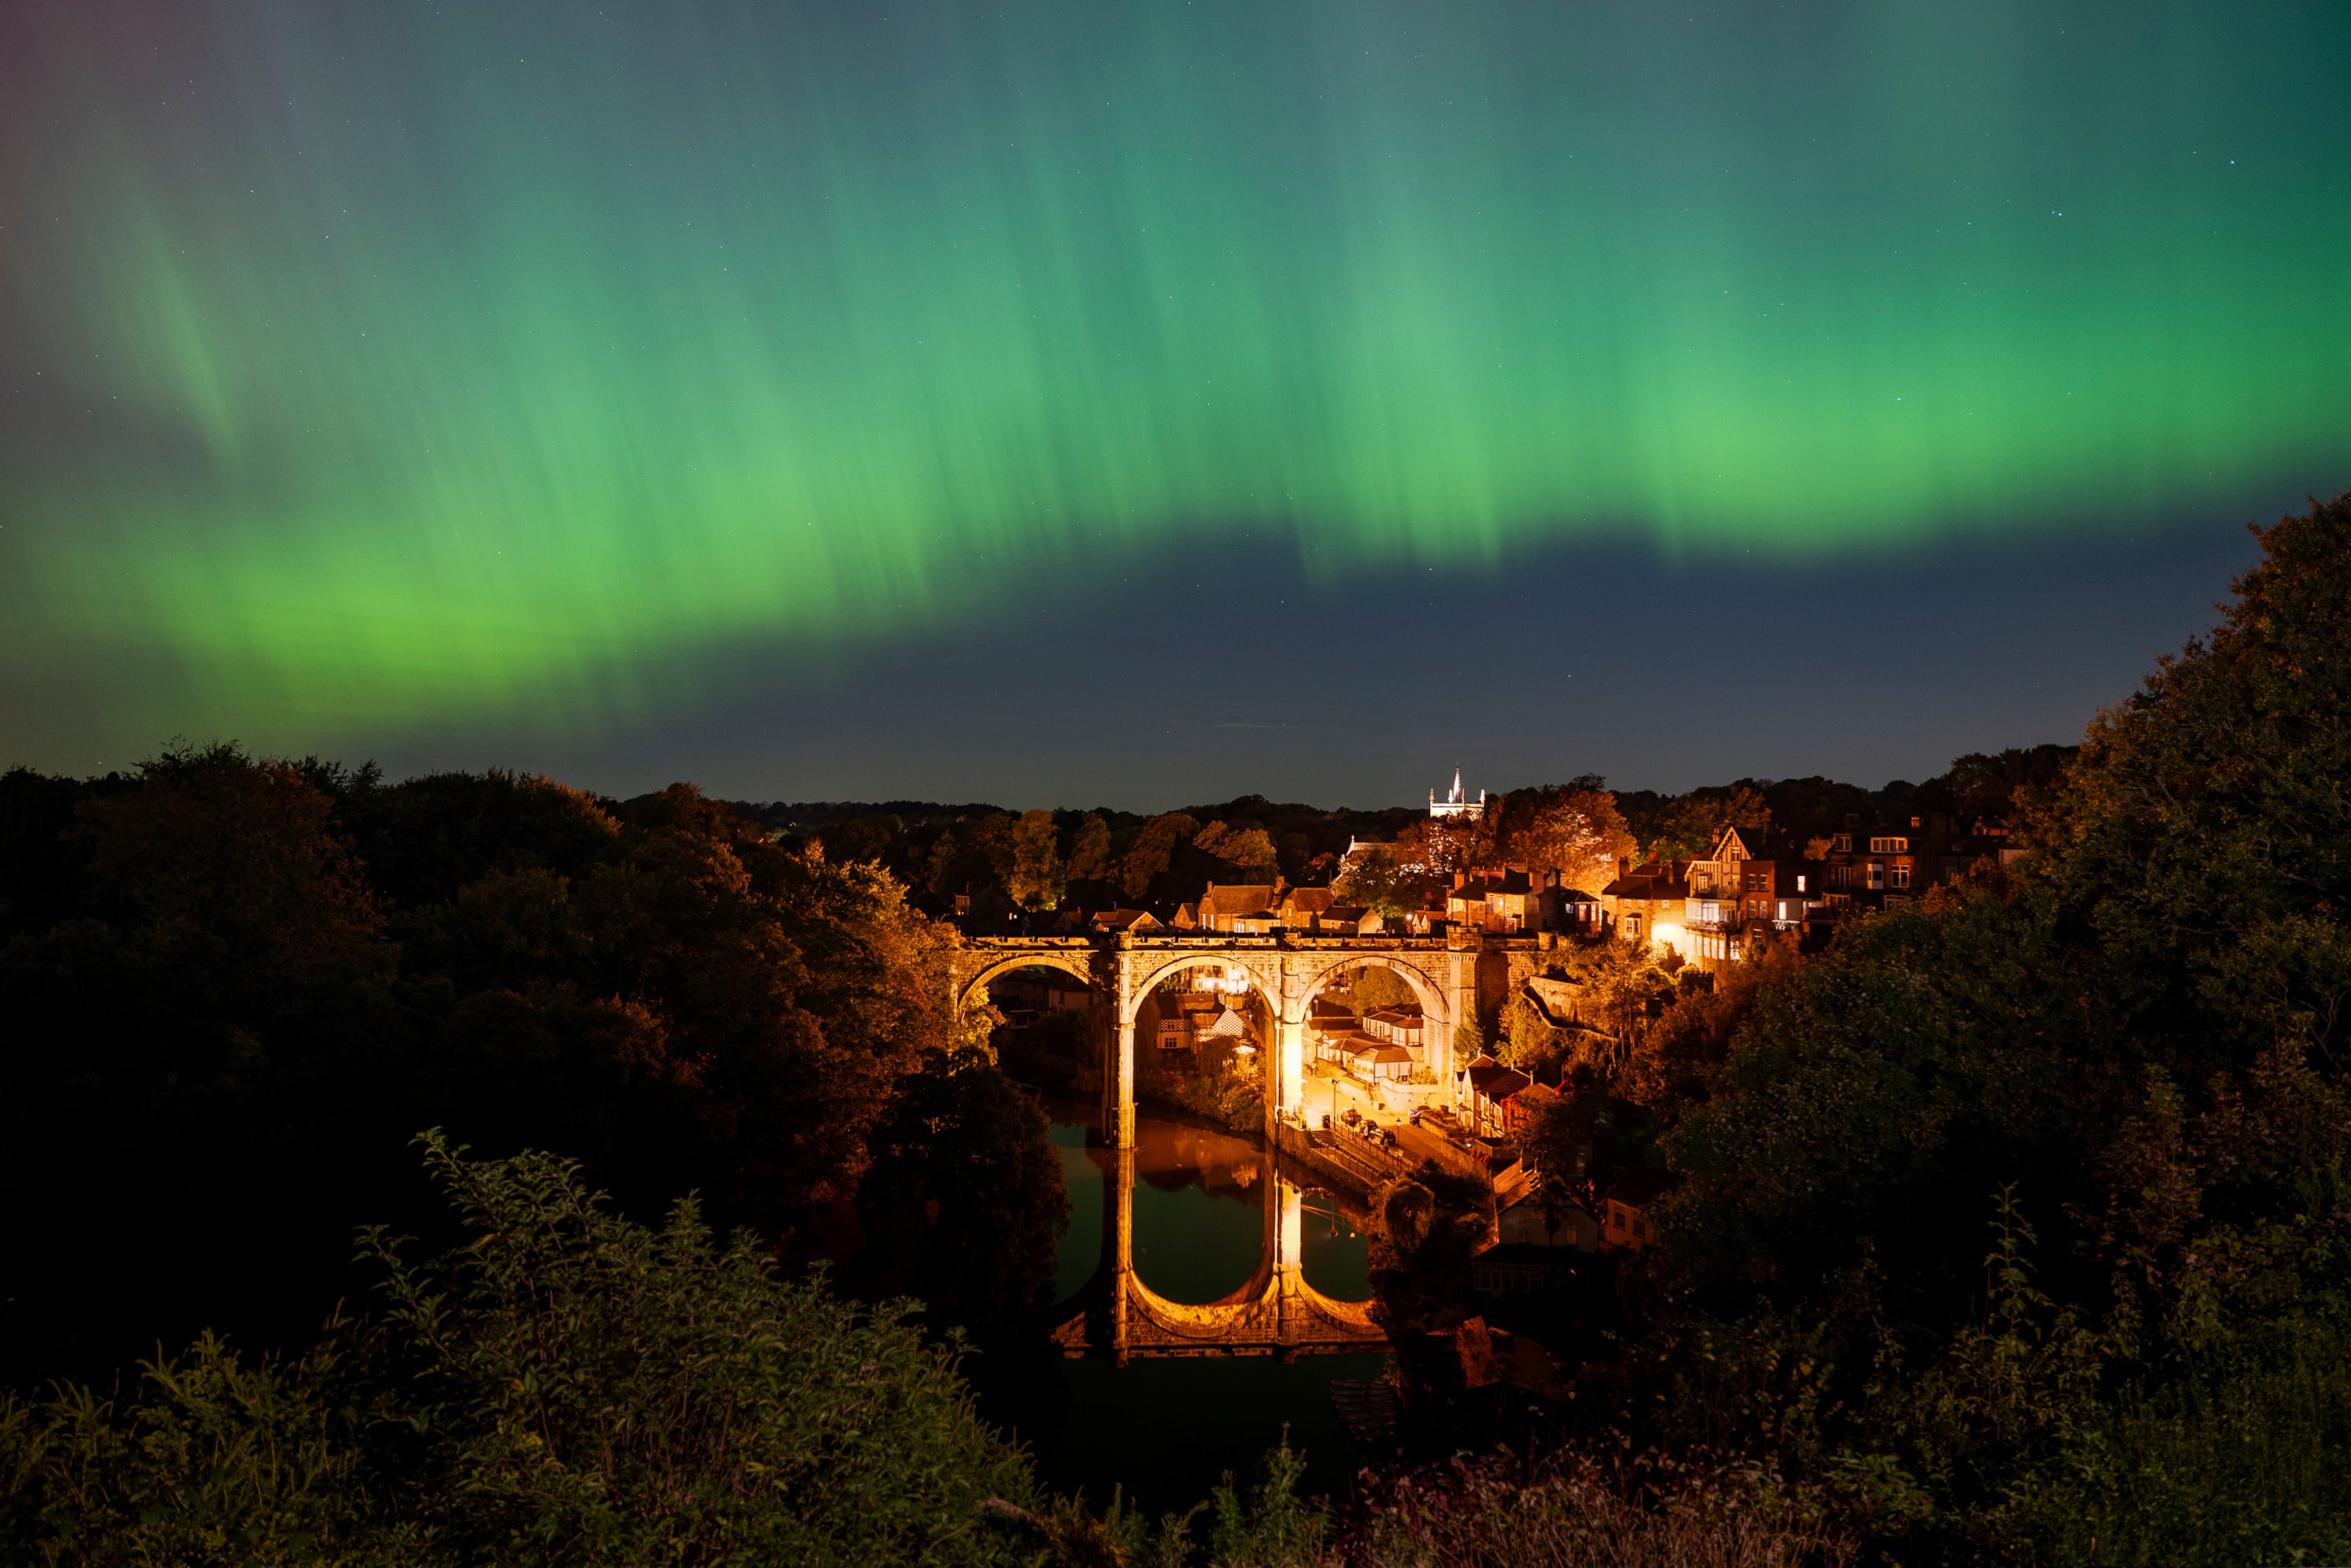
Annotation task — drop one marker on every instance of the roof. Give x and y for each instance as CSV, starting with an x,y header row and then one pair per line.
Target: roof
x,y
1238,895
1349,912
1637,1187
1125,920
1226,1021
1535,1093
1658,879
1494,1080
1383,1053
1313,899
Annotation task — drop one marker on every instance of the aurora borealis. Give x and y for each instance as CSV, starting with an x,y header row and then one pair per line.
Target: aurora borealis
x,y
374,368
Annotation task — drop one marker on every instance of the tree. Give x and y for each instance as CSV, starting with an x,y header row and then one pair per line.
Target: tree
x,y
1033,874
271,973
1089,859
1685,827
2135,1028
1248,851
965,1204
1376,880
1571,827
1152,850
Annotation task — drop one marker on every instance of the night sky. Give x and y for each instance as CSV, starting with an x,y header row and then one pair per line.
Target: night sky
x,y
1076,403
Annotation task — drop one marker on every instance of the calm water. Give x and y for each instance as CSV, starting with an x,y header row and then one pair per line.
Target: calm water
x,y
1166,1430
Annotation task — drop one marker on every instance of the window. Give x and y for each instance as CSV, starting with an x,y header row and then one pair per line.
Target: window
x,y
1799,881
1844,844
1897,876
1889,846
1758,880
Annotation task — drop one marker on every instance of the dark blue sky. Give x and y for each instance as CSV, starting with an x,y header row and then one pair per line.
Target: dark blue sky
x,y
1149,683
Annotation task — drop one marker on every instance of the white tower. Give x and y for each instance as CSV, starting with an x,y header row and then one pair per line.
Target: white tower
x,y
1457,801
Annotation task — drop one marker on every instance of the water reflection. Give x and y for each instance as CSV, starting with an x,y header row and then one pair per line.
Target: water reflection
x,y
1166,1429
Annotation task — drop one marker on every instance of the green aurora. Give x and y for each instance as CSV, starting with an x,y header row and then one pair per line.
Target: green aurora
x,y
366,365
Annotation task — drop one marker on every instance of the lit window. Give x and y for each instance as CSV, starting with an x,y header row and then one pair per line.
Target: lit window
x,y
1799,881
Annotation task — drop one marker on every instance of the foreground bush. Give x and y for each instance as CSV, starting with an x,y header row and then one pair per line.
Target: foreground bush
x,y
567,1389
1574,1511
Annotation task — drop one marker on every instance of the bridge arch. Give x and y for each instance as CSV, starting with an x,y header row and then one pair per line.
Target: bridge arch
x,y
1434,1005
1148,982
1072,964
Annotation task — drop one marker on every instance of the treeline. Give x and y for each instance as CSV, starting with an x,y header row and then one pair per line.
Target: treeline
x,y
2022,1212
234,987
1003,863
1979,787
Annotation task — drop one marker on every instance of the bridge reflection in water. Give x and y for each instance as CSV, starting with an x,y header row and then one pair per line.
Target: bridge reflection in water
x,y
1275,1311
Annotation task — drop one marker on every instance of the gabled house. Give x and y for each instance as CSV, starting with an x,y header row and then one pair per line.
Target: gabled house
x,y
1752,882
1534,1220
1303,908
1175,1029
1646,902
1228,1026
1135,920
1403,1024
1225,905
1488,1087
1623,1209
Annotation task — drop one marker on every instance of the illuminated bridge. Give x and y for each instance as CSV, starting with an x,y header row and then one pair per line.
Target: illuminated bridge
x,y
1458,977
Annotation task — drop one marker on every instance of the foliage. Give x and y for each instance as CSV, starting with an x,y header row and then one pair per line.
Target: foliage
x,y
566,1387
271,973
1089,857
1376,986
1244,854
1152,852
1031,872
212,1461
1270,1525
1427,1226
1374,879
1572,828
2134,1031
1685,827
963,1205
1572,1510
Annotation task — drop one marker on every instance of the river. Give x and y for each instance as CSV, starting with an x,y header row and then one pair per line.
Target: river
x,y
1166,1430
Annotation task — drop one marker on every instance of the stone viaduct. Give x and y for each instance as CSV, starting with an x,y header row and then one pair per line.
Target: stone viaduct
x,y
1461,977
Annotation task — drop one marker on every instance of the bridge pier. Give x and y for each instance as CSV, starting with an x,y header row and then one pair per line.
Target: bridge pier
x,y
1118,1244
